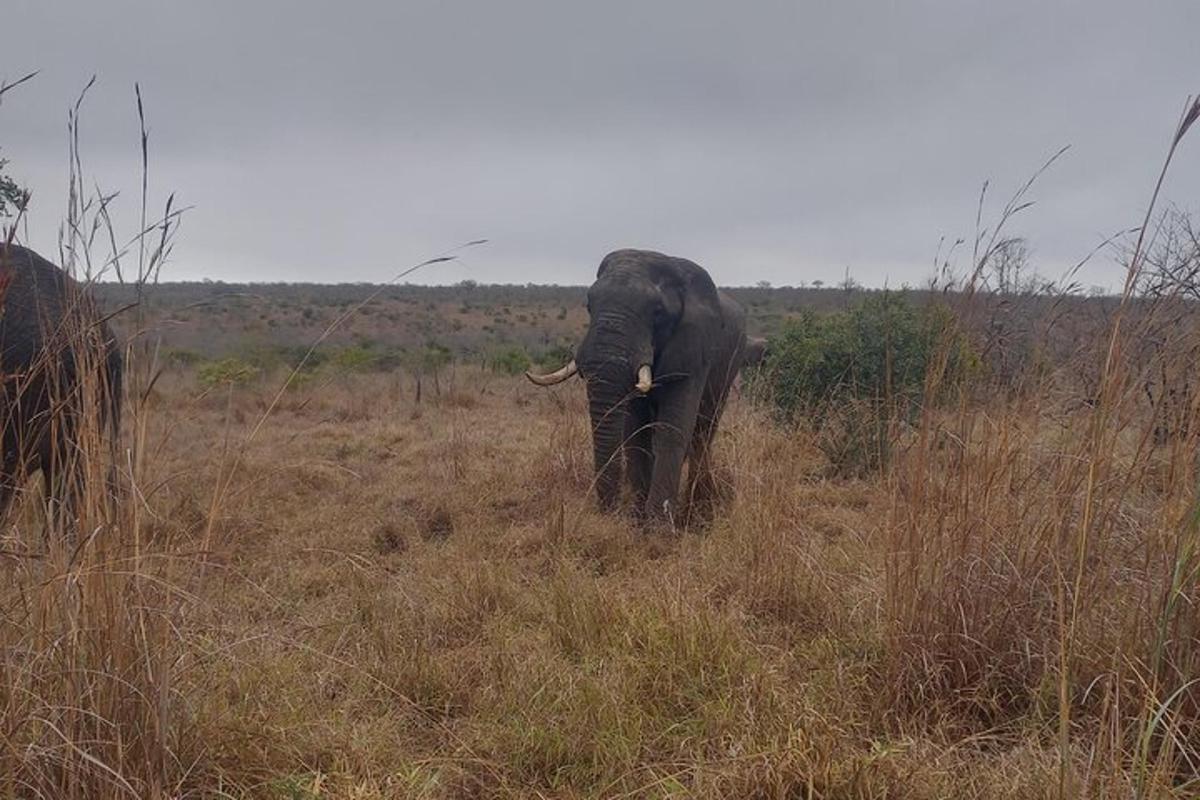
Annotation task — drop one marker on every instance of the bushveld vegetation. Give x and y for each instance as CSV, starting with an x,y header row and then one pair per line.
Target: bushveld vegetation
x,y
319,581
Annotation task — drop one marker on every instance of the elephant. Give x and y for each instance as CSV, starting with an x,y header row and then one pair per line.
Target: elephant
x,y
755,352
660,355
753,355
59,360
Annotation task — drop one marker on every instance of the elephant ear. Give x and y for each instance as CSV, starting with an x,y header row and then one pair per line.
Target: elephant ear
x,y
693,299
699,303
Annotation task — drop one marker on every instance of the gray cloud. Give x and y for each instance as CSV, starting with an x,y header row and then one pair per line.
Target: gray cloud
x,y
777,141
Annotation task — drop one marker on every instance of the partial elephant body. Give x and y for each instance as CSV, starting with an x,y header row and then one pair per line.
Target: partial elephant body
x,y
58,362
753,355
660,356
755,351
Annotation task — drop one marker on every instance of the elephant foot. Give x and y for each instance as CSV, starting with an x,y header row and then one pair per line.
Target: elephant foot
x,y
698,516
608,505
657,527
658,517
700,509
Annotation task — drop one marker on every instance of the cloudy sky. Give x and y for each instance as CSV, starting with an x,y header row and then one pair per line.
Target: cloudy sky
x,y
779,141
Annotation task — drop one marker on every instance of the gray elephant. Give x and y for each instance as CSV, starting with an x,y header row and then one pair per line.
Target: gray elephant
x,y
756,352
659,357
57,355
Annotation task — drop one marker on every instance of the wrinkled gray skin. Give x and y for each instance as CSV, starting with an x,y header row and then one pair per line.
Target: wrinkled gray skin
x,y
51,337
650,308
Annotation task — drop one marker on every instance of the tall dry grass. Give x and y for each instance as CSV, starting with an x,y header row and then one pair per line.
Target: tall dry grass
x,y
1043,569
89,636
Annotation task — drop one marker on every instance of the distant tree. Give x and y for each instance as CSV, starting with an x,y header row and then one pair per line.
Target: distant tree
x,y
13,197
1009,267
1171,265
763,284
848,283
818,284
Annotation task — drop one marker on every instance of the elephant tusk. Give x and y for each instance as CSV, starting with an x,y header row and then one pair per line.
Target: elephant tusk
x,y
558,376
645,379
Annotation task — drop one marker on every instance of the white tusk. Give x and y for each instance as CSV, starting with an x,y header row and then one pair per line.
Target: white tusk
x,y
558,376
645,379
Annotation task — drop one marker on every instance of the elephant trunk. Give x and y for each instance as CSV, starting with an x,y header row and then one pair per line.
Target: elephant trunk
x,y
607,408
615,359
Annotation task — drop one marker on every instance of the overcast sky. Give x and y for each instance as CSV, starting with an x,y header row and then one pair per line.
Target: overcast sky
x,y
788,142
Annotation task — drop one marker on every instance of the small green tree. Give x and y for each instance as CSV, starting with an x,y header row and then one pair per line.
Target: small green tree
x,y
555,356
511,360
433,357
855,372
226,371
13,197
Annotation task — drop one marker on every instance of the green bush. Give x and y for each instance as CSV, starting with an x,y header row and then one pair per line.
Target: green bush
x,y
226,371
267,357
511,360
181,357
432,357
363,356
291,355
856,373
355,358
555,356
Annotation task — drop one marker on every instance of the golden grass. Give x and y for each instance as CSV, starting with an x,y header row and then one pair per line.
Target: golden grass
x,y
395,600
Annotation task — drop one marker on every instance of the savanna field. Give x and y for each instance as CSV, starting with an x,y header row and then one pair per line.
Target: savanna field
x,y
574,401
387,578
343,549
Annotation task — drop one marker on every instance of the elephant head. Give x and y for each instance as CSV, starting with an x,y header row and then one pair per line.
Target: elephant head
x,y
653,319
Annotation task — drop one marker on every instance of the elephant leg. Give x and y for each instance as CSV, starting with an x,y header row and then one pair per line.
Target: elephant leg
x,y
639,452
62,476
53,489
703,493
8,485
702,488
14,466
673,431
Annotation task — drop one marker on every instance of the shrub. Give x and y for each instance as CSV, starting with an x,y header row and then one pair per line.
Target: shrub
x,y
433,357
511,360
857,372
267,357
181,357
555,356
226,371
880,348
355,358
